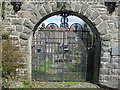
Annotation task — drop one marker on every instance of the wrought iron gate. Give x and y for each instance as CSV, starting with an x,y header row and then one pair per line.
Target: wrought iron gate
x,y
60,53
57,56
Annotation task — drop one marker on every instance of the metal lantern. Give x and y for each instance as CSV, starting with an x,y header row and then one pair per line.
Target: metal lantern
x,y
16,6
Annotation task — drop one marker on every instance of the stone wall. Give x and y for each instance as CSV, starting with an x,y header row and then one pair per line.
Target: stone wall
x,y
0,47
25,21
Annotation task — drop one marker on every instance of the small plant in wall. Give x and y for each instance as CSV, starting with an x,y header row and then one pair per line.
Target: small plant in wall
x,y
3,9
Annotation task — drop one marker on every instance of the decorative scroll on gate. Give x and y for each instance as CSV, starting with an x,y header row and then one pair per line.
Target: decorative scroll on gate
x,y
60,53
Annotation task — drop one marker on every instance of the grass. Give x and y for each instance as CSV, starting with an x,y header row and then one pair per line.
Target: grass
x,y
42,68
27,86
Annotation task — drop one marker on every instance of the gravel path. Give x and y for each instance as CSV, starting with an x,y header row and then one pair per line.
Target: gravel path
x,y
64,85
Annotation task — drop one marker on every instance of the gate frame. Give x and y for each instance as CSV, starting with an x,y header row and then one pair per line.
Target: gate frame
x,y
95,32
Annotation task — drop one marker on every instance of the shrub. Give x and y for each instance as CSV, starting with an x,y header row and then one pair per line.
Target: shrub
x,y
11,58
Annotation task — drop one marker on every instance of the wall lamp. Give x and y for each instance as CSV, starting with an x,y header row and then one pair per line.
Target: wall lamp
x,y
16,6
111,6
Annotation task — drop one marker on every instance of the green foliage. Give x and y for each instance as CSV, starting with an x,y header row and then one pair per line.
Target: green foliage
x,y
3,9
44,67
11,58
26,86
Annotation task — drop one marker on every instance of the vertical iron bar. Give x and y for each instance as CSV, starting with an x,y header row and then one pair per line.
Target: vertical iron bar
x,y
40,52
35,62
62,78
45,57
48,49
54,52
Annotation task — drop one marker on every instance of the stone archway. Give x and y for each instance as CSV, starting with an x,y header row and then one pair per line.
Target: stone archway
x,y
84,11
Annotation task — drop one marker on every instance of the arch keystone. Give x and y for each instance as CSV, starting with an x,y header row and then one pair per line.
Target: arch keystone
x,y
73,5
78,7
54,7
68,6
48,7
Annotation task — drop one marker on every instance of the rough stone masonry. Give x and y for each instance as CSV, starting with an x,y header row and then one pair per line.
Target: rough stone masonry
x,y
24,22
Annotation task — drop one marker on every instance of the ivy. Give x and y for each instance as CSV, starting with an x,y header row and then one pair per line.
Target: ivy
x,y
3,10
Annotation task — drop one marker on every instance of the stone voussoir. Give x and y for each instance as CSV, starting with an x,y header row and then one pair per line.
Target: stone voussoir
x,y
97,21
28,24
37,14
42,11
88,12
73,5
103,32
68,6
83,8
60,6
24,36
78,7
102,26
48,7
54,5
94,15
27,30
106,37
33,19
